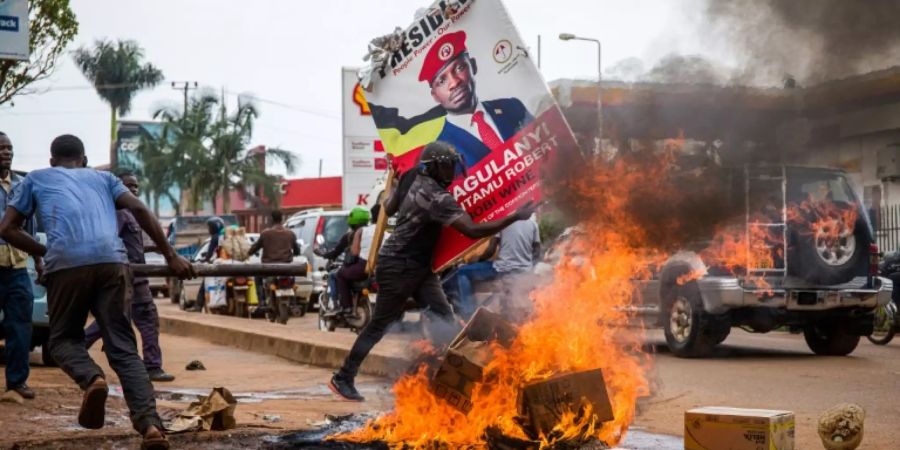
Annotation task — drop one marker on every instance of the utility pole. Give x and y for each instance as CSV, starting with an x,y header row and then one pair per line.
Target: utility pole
x,y
184,86
539,52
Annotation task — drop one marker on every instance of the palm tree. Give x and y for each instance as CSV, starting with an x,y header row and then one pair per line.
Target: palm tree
x,y
187,137
239,168
116,71
156,176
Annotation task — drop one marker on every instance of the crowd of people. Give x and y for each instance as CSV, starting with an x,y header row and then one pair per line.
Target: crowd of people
x,y
95,224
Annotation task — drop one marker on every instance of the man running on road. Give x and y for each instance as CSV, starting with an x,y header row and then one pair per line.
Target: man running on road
x,y
424,207
143,310
87,272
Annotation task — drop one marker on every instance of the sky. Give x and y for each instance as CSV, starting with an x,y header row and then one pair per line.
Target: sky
x,y
289,55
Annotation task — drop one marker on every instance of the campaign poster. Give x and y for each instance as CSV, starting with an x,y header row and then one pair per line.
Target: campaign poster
x,y
463,75
14,29
363,154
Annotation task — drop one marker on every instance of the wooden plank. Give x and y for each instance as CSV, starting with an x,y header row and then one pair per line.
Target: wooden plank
x,y
380,225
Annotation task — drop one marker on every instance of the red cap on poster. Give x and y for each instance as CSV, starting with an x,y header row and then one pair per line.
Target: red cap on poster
x,y
448,47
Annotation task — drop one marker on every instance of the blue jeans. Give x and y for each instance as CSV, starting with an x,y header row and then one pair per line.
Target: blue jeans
x,y
17,303
466,275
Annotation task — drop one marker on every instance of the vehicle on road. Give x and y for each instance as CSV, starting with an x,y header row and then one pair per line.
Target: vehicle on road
x,y
281,299
817,274
887,317
308,226
363,294
189,292
187,234
158,285
801,268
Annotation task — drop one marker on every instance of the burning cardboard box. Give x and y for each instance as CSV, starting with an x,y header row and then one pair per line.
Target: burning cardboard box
x,y
543,403
467,356
717,427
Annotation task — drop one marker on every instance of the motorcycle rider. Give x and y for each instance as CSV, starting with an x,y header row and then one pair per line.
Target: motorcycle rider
x,y
215,225
278,245
519,250
424,207
354,266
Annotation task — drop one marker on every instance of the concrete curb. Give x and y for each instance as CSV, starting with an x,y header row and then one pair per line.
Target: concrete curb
x,y
320,352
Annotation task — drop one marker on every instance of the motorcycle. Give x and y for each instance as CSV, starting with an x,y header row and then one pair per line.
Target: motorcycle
x,y
281,298
330,317
237,290
887,317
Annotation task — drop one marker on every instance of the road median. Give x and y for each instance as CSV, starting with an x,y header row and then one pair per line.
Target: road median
x,y
298,341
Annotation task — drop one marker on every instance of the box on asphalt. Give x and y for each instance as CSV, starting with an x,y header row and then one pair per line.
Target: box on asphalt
x,y
544,402
467,356
717,427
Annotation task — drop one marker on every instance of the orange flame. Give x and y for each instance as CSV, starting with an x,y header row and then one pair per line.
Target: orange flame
x,y
582,320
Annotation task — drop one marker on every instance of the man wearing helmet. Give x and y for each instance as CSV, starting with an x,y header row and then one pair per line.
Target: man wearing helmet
x,y
354,267
215,225
423,207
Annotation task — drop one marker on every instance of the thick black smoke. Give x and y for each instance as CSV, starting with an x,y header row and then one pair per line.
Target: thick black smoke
x,y
813,40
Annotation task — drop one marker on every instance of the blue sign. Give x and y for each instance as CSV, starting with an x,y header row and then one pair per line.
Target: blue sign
x,y
9,23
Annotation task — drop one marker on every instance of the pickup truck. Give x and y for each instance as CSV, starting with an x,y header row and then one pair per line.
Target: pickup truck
x,y
803,259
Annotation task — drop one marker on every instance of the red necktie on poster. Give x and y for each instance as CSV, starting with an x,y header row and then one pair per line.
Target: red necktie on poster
x,y
488,135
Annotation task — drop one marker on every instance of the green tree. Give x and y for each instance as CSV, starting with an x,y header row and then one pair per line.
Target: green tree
x,y
237,168
117,73
52,25
186,136
156,176
205,150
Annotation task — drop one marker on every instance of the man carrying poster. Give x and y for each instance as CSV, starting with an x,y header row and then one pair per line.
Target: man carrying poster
x,y
475,128
509,132
423,207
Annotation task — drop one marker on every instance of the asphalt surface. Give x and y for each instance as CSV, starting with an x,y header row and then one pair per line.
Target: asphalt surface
x,y
772,371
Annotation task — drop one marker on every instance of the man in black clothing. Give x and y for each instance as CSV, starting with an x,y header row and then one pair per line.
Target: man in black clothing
x,y
423,207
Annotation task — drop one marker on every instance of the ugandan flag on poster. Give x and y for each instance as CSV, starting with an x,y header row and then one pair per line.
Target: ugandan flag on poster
x,y
403,138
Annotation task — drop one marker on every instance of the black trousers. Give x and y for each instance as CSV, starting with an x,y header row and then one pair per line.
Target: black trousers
x,y
398,280
104,290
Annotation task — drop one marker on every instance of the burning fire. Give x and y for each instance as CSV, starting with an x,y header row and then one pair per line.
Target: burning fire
x,y
581,320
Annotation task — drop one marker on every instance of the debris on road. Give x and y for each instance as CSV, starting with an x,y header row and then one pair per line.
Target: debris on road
x,y
841,426
212,412
738,429
467,356
12,396
195,365
272,418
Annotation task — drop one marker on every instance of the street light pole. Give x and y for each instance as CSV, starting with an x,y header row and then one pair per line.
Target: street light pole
x,y
572,37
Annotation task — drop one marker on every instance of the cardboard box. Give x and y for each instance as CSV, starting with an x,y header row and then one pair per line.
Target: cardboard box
x,y
723,428
467,355
544,402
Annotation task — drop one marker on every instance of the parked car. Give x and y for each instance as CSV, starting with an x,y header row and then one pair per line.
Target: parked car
x,y
189,290
158,285
827,288
308,226
40,321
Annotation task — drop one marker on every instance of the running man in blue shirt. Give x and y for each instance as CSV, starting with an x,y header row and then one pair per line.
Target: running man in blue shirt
x,y
86,271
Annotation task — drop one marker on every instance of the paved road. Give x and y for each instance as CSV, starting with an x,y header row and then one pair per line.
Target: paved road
x,y
777,371
763,371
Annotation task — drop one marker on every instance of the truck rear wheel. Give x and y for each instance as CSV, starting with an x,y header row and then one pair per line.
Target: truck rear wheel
x,y
830,339
690,331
